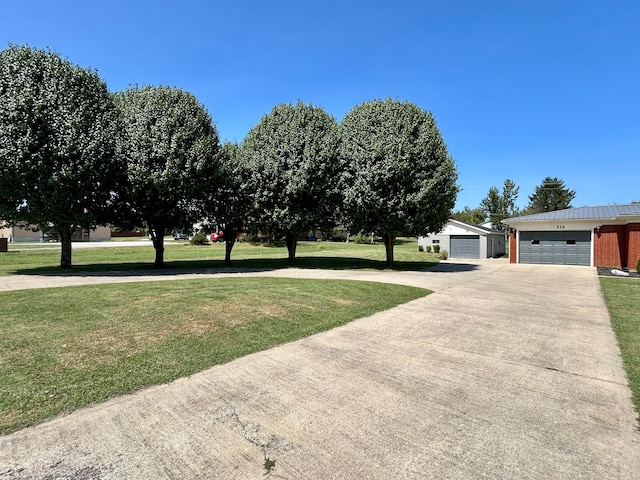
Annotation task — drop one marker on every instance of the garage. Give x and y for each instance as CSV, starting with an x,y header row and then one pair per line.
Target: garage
x,y
465,246
604,236
556,248
465,240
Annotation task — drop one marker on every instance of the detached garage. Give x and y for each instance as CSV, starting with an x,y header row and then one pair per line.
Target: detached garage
x,y
590,236
466,240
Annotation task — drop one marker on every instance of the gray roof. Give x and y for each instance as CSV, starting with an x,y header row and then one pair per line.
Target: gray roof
x,y
479,227
606,212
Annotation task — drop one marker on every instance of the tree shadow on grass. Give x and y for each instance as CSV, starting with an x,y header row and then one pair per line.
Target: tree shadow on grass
x,y
212,266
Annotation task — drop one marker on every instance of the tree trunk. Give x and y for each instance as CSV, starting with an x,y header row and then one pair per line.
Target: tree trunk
x,y
292,243
157,236
389,241
229,241
65,231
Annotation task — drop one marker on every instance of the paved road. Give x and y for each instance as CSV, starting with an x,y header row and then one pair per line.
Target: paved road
x,y
505,372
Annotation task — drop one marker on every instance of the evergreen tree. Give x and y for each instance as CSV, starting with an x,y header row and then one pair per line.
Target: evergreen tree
x,y
550,196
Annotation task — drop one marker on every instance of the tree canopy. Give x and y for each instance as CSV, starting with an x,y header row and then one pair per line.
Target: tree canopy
x,y
551,195
292,155
497,206
399,177
469,215
171,147
58,132
228,206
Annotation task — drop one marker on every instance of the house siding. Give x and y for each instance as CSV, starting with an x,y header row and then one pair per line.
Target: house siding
x,y
633,244
617,246
25,234
610,246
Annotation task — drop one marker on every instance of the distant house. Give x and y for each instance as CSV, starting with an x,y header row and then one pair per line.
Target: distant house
x,y
27,234
467,240
607,236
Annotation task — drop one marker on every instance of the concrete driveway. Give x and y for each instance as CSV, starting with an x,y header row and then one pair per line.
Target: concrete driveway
x,y
505,372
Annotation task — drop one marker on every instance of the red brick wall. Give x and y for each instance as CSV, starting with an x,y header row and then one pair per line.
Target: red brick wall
x,y
512,246
633,242
609,249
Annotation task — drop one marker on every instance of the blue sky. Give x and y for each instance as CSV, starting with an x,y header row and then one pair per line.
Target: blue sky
x,y
520,89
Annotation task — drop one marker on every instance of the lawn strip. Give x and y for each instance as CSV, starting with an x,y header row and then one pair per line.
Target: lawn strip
x,y
69,347
622,297
25,259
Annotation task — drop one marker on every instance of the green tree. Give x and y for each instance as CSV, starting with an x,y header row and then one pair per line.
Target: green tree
x,y
399,177
58,132
230,204
292,155
171,146
497,206
510,193
493,206
468,215
550,196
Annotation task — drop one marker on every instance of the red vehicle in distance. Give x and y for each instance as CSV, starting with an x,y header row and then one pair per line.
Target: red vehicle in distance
x,y
217,237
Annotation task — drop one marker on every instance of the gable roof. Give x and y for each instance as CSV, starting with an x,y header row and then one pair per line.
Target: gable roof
x,y
477,227
606,212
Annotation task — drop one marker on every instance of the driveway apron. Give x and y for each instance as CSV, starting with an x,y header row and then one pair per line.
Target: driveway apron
x,y
504,372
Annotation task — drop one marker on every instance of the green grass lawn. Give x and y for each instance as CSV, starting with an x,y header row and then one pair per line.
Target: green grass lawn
x,y
65,348
43,258
622,297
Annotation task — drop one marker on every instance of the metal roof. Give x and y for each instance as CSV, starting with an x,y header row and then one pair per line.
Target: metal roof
x,y
606,212
478,227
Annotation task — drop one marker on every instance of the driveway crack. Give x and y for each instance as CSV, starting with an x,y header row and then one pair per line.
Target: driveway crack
x,y
253,433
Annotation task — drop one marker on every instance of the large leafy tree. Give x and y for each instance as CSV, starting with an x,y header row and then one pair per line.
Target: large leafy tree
x,y
399,177
58,131
510,192
171,147
469,215
292,155
229,205
497,206
493,206
550,196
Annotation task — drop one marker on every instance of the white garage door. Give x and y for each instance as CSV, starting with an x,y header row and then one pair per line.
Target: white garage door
x,y
556,248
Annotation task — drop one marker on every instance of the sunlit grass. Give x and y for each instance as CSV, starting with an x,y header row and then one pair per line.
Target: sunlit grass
x,y
331,255
65,348
622,297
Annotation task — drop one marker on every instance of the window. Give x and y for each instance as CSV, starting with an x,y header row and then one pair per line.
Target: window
x,y
571,242
435,241
535,242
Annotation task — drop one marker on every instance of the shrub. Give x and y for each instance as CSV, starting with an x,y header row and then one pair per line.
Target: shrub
x,y
199,239
436,248
444,255
428,248
362,239
420,248
638,265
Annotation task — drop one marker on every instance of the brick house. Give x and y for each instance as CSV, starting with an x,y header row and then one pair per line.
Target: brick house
x,y
607,236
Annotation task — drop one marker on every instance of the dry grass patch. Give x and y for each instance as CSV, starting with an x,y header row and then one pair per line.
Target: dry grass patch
x,y
64,348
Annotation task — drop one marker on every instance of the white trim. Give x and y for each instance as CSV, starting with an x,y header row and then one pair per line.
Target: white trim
x,y
568,228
